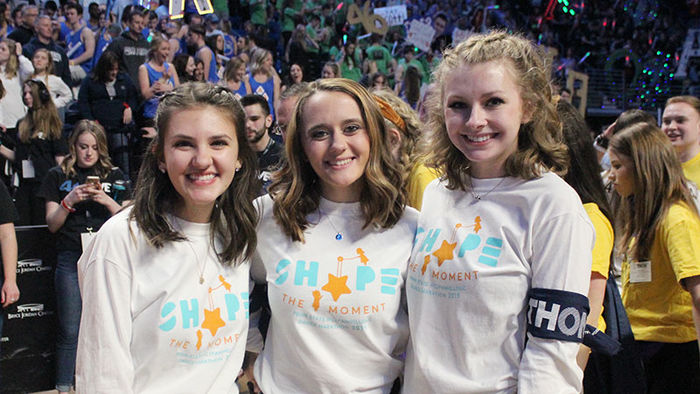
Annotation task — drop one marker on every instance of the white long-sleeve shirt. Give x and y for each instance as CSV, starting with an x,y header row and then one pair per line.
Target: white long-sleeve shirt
x,y
60,92
338,321
472,267
148,325
11,105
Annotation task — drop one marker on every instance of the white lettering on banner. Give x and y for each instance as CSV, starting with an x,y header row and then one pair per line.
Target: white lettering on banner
x,y
394,16
29,310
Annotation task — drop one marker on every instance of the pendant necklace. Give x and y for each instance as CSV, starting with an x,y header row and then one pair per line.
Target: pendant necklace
x,y
477,197
338,235
200,268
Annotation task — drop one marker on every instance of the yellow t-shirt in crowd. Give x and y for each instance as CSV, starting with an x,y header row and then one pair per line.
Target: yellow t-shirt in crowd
x,y
691,169
418,179
661,310
604,242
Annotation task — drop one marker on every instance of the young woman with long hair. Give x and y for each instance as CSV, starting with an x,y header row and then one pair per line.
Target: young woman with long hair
x,y
80,194
658,233
110,97
330,70
335,237
504,242
236,78
184,65
263,78
14,70
156,77
584,177
39,147
43,71
165,283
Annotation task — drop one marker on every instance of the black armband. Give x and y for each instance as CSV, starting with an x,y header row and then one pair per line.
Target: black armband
x,y
557,314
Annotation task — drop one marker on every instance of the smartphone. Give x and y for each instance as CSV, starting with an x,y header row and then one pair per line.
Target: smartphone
x,y
93,181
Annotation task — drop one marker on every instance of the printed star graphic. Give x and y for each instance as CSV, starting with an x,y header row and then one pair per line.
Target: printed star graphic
x,y
446,252
212,320
337,286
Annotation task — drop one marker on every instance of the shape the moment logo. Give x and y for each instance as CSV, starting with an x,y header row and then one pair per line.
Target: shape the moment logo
x,y
31,265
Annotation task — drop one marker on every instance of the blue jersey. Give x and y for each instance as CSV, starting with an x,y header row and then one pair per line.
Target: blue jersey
x,y
75,47
213,77
265,89
151,105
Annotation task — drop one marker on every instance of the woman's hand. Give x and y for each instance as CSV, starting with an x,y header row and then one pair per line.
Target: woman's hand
x,y
127,116
79,194
98,195
10,293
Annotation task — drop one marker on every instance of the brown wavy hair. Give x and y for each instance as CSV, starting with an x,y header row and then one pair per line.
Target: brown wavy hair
x,y
295,188
540,146
659,181
234,217
104,165
42,117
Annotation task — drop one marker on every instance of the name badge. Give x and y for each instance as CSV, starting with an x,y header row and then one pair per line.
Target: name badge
x,y
27,169
86,238
640,271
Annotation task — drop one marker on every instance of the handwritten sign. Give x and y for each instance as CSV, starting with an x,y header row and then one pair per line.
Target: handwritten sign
x,y
420,34
371,22
394,16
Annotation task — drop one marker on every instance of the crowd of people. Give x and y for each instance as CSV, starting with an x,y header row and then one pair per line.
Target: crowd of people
x,y
330,213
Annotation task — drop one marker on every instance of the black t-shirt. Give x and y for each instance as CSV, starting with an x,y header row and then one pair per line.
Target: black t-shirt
x,y
88,214
268,161
8,213
42,152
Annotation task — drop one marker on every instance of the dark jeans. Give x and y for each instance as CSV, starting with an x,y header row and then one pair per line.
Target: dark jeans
x,y
68,309
31,208
671,367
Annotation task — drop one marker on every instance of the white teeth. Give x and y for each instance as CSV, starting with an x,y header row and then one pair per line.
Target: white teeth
x,y
201,177
477,138
341,162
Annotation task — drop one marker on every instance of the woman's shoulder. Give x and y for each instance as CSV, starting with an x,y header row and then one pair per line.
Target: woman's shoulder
x,y
680,212
264,204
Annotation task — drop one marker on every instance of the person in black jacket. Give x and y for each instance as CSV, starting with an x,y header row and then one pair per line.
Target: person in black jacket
x,y
110,98
44,39
131,47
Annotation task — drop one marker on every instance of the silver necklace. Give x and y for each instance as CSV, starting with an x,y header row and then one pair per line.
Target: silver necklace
x,y
478,197
338,234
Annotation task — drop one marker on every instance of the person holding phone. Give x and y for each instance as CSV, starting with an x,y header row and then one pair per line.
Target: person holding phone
x,y
80,194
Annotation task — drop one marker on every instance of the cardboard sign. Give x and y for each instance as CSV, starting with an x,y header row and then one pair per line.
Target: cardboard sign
x,y
394,16
420,34
372,23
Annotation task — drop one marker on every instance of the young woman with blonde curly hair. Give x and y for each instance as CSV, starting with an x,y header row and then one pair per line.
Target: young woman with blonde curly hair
x,y
335,238
500,266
